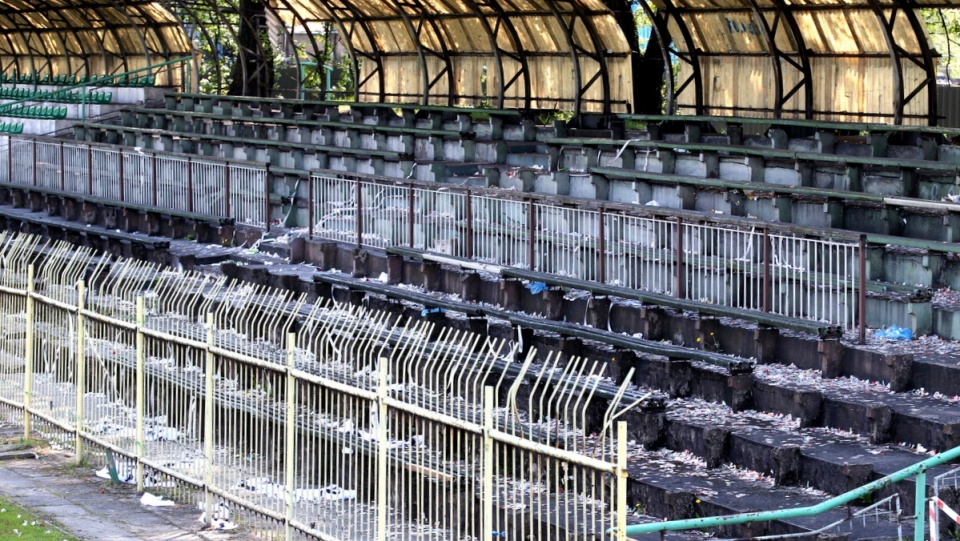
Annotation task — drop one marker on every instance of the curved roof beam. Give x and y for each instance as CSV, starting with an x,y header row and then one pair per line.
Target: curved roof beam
x,y
375,55
519,54
298,17
597,53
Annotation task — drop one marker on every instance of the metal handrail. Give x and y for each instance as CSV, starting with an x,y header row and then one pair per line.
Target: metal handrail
x,y
919,470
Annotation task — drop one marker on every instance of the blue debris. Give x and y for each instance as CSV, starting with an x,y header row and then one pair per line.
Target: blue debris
x,y
431,311
537,287
894,333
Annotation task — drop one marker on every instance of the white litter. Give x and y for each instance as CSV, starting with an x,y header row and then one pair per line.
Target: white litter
x,y
155,501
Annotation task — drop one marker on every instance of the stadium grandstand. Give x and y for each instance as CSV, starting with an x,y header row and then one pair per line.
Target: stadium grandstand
x,y
490,269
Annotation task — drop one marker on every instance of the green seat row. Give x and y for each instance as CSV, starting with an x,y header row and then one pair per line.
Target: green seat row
x,y
66,80
17,93
34,111
11,128
123,80
77,96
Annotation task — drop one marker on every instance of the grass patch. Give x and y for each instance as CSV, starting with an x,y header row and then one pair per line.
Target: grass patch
x,y
18,524
21,444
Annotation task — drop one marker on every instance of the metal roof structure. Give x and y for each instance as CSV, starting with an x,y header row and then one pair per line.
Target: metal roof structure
x,y
80,37
856,60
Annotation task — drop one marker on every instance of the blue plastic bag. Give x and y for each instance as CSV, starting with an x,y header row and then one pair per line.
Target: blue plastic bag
x,y
537,287
894,333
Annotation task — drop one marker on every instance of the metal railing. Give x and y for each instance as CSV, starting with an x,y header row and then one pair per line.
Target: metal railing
x,y
356,426
820,279
165,180
918,471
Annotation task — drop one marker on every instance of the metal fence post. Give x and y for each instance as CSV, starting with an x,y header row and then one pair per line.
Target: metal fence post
x,y
310,203
622,477
679,259
410,214
141,394
81,369
919,505
468,216
382,456
291,434
10,159
89,170
359,197
189,184
121,177
862,290
532,234
208,424
767,278
63,170
227,191
153,182
486,492
601,247
28,369
34,163
266,199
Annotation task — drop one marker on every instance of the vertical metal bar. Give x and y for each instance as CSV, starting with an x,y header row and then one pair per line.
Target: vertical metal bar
x,y
862,289
410,214
190,188
120,177
767,279
679,260
226,190
10,159
153,181
89,170
266,198
63,170
34,141
487,490
208,424
531,233
382,455
359,197
141,394
81,368
622,476
291,435
919,504
468,216
28,369
601,247
934,521
310,204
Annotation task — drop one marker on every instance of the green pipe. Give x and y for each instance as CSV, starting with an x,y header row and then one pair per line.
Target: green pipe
x,y
919,469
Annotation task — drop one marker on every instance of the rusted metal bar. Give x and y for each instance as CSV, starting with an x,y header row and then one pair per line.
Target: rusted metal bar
x,y
468,213
531,233
410,214
679,260
601,247
862,290
766,270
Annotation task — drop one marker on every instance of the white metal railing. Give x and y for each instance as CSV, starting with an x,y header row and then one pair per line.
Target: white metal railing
x,y
356,426
176,182
738,267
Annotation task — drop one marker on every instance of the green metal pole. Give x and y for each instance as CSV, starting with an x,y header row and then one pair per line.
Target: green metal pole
x,y
917,469
920,505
